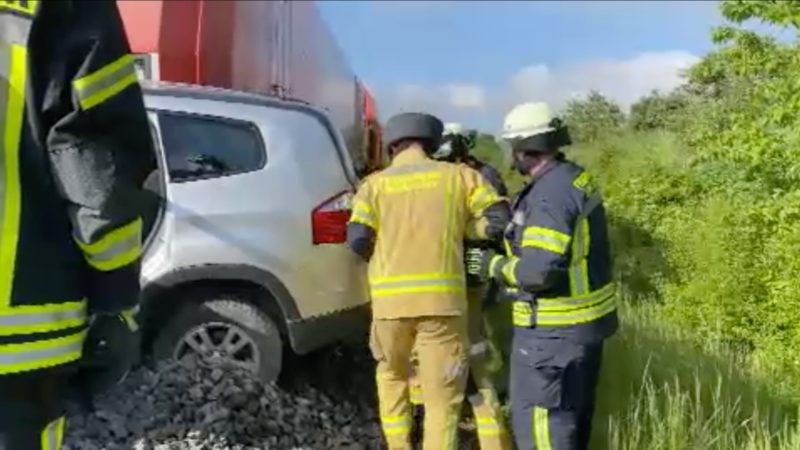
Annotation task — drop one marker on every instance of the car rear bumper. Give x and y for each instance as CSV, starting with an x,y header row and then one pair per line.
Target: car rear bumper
x,y
307,335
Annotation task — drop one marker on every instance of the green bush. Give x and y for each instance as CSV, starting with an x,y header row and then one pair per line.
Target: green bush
x,y
705,213
659,111
592,117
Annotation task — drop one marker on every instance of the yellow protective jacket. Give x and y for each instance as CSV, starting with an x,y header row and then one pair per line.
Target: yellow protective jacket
x,y
410,221
75,147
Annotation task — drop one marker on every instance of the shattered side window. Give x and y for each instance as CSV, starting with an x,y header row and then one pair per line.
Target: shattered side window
x,y
199,147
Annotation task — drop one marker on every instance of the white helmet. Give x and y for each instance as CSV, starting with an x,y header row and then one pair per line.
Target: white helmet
x,y
453,128
526,120
452,135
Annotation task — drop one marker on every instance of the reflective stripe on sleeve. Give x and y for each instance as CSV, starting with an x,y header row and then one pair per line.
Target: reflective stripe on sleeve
x,y
495,264
505,267
116,249
578,270
546,239
509,271
362,213
15,358
108,81
482,197
42,318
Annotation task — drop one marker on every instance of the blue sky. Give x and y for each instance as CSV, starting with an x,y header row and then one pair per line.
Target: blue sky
x,y
470,61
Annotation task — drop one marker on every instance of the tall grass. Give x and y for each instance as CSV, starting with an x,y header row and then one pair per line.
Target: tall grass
x,y
663,390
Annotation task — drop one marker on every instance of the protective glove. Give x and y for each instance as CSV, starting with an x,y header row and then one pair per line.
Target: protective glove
x,y
110,349
477,262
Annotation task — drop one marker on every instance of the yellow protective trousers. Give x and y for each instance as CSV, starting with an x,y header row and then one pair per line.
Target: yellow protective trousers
x,y
442,352
486,408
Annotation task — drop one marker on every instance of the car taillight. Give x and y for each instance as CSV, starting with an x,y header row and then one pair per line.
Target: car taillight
x,y
329,220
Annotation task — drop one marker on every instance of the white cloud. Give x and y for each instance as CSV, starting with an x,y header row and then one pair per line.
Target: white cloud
x,y
623,80
435,99
466,96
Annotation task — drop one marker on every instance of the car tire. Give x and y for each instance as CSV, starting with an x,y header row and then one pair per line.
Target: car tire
x,y
228,327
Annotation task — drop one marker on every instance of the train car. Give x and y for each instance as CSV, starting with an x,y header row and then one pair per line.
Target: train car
x,y
280,48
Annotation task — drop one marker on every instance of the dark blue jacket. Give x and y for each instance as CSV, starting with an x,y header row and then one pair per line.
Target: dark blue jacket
x,y
76,149
490,174
559,269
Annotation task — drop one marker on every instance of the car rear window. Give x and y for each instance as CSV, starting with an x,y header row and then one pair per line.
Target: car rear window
x,y
201,147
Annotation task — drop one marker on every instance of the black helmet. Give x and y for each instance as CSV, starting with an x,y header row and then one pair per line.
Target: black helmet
x,y
418,126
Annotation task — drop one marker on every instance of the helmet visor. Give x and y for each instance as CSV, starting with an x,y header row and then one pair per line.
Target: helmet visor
x,y
538,143
507,149
445,150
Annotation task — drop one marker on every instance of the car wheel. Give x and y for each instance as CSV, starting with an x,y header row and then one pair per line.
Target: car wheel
x,y
229,329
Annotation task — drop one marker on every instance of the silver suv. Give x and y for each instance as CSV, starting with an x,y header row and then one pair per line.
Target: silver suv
x,y
248,257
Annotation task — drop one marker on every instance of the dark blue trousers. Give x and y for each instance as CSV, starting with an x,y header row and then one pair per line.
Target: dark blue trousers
x,y
553,383
31,411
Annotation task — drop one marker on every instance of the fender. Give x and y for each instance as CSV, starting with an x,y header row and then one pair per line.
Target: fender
x,y
226,272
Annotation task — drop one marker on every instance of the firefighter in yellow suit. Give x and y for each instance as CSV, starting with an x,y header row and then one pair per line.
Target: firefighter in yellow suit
x,y
75,147
481,393
409,221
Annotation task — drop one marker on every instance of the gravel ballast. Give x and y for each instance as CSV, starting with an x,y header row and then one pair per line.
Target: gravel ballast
x,y
328,402
201,405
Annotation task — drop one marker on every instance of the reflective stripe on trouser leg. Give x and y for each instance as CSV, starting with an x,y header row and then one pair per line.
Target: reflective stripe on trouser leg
x,y
486,408
53,435
396,427
391,342
415,392
552,390
441,347
491,429
541,428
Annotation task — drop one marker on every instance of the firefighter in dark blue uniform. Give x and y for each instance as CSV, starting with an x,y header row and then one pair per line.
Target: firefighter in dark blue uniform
x,y
75,149
557,270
